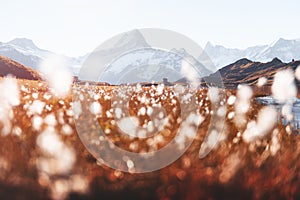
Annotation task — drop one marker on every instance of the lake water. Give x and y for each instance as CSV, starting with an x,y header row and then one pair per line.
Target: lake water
x,y
295,122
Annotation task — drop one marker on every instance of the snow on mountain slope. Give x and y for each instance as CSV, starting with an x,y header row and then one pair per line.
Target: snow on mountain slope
x,y
27,53
23,51
285,50
131,59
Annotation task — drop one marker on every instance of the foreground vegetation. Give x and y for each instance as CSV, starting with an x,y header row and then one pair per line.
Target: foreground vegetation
x,y
42,156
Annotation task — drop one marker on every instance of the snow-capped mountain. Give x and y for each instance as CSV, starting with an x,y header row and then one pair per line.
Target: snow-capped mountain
x,y
23,51
285,50
93,69
130,59
27,53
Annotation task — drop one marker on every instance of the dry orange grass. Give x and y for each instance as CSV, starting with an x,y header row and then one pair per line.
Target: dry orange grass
x,y
234,170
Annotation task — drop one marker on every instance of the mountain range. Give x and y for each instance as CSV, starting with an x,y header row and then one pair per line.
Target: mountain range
x,y
27,53
129,58
245,71
24,51
285,50
144,64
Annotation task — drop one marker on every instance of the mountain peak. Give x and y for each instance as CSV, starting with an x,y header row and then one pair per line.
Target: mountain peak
x,y
208,45
276,61
243,61
133,37
281,40
23,42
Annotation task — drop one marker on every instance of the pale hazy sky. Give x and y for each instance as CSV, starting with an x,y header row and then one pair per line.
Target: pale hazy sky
x,y
75,27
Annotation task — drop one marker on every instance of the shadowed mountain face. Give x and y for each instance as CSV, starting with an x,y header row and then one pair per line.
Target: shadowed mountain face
x,y
245,71
8,66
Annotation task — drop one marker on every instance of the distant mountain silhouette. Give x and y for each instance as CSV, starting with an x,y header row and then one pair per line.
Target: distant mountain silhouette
x,y
245,71
10,67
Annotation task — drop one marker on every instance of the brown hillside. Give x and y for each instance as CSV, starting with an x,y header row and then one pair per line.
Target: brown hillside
x,y
245,71
8,66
